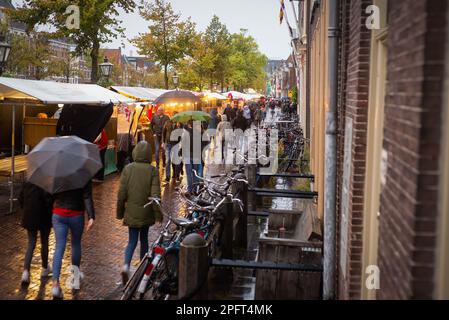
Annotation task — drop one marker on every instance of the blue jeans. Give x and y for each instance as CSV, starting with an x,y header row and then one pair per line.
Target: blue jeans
x,y
134,235
157,145
191,179
62,225
168,148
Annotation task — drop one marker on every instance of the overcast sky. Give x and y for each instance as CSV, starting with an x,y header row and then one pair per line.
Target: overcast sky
x,y
260,17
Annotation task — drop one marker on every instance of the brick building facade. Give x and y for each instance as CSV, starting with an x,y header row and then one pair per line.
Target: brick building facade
x,y
392,178
413,108
354,90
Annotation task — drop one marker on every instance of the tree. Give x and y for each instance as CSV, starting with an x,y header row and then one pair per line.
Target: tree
x,y
32,57
246,63
169,39
97,24
217,38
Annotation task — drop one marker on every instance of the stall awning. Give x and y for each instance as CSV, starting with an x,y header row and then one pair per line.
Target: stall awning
x,y
237,95
49,92
215,95
139,93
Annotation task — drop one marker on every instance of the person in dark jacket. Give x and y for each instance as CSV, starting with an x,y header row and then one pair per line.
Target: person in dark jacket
x,y
229,112
68,214
139,181
167,145
157,125
37,210
240,123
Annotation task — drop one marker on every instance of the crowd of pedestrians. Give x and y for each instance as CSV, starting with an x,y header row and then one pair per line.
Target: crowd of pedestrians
x,y
66,212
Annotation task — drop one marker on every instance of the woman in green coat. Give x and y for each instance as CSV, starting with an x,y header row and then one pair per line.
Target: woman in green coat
x,y
139,181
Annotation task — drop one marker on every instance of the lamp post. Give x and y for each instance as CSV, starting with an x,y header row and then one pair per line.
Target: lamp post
x,y
106,68
5,48
175,78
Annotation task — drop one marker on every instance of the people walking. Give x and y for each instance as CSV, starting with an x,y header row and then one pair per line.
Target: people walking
x,y
192,153
222,141
139,181
68,215
167,145
229,112
37,211
247,115
240,123
157,124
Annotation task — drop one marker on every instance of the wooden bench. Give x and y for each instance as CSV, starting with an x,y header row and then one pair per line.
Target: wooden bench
x,y
20,165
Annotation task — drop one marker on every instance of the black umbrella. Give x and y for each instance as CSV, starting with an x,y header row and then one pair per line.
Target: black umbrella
x,y
177,96
59,164
83,121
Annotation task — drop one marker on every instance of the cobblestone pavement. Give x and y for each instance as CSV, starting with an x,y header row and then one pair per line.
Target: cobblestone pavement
x,y
102,255
103,250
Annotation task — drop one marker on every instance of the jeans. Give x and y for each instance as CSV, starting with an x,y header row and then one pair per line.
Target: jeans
x,y
191,179
134,235
62,225
168,148
32,239
157,145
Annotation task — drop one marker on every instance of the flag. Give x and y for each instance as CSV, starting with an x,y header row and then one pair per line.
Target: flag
x,y
281,12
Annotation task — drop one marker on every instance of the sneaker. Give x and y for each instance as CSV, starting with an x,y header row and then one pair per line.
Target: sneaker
x,y
57,292
25,277
46,272
77,277
125,274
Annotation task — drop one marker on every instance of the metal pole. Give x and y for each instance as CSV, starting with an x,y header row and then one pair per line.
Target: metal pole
x,y
331,155
11,182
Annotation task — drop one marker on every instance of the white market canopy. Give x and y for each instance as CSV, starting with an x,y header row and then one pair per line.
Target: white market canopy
x,y
139,93
215,95
49,92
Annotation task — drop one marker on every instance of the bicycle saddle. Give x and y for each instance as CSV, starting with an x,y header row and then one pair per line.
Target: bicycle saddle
x,y
183,222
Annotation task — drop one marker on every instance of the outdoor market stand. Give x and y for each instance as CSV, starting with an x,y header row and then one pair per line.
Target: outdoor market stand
x,y
24,93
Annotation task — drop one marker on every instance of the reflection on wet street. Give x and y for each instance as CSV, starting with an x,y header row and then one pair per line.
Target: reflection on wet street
x,y
102,256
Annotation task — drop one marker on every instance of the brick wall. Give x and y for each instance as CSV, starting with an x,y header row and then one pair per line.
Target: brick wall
x,y
407,233
341,114
357,39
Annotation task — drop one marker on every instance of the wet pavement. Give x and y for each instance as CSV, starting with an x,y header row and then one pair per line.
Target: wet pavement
x,y
103,249
102,253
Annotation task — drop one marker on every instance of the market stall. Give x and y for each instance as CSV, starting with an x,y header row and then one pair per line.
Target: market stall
x,y
23,95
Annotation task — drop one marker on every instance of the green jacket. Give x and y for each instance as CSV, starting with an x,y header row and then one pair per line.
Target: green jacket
x,y
139,181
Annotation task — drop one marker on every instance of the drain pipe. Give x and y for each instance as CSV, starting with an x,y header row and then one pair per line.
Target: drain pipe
x,y
331,155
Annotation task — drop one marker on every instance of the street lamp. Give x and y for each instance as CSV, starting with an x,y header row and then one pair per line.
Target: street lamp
x,y
5,48
175,78
106,68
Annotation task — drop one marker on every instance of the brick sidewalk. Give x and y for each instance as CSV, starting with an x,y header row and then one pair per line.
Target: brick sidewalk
x,y
102,255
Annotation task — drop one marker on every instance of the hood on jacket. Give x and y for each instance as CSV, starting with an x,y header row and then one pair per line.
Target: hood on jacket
x,y
142,152
224,117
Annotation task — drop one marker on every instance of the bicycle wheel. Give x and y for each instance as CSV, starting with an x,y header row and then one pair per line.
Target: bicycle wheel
x,y
164,280
133,282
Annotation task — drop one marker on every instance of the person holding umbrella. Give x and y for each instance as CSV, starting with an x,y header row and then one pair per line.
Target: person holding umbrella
x,y
64,167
